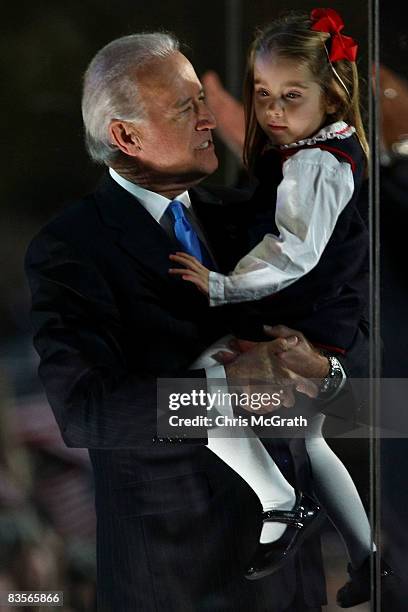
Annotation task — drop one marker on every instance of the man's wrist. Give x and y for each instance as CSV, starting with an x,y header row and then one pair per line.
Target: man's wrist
x,y
324,366
333,381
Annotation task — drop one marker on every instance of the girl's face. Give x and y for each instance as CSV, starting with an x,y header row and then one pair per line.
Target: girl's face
x,y
289,104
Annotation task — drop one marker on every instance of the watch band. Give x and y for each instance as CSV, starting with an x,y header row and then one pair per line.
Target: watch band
x,y
331,383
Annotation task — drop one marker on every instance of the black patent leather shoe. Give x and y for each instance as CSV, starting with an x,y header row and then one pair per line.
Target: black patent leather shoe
x,y
304,518
358,588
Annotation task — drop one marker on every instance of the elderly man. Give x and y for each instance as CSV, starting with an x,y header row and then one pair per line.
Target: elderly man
x,y
174,526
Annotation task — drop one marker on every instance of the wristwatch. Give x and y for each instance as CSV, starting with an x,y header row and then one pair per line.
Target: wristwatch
x,y
332,382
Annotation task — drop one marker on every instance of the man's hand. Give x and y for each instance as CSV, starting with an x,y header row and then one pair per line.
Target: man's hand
x,y
291,347
285,364
302,357
260,369
193,271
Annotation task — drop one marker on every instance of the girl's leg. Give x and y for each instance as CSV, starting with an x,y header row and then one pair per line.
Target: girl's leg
x,y
243,452
247,456
336,491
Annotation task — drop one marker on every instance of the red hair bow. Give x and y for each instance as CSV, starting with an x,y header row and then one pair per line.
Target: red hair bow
x,y
328,20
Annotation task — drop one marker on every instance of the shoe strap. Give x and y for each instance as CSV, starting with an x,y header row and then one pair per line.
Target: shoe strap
x,y
289,517
295,517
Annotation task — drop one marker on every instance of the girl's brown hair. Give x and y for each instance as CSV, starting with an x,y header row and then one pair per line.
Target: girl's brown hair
x,y
290,37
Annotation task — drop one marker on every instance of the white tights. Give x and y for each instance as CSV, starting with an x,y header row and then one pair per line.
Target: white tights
x,y
334,488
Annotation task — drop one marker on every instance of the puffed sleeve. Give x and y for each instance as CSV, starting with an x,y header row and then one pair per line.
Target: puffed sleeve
x,y
314,190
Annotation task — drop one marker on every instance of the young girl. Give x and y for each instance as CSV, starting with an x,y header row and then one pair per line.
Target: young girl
x,y
308,266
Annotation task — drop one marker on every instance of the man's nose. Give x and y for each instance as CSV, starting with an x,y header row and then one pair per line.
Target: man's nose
x,y
206,119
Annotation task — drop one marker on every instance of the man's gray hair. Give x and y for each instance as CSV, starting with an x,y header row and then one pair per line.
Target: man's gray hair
x,y
110,88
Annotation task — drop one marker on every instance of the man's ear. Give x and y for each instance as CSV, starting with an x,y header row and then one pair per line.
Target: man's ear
x,y
125,136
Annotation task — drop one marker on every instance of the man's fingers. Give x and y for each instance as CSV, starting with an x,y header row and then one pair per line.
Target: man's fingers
x,y
225,356
302,385
280,345
287,397
233,344
307,387
281,331
245,345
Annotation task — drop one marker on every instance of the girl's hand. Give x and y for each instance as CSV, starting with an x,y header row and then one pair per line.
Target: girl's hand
x,y
193,271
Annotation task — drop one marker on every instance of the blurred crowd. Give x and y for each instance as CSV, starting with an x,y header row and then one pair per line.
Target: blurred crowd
x,y
47,521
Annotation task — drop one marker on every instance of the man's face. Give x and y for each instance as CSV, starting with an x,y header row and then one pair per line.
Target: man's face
x,y
175,139
288,101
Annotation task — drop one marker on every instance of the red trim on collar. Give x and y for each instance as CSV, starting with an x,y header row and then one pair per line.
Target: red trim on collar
x,y
289,152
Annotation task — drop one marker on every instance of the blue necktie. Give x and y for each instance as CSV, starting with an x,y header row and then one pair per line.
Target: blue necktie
x,y
186,234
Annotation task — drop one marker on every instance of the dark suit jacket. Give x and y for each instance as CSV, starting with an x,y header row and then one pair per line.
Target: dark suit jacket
x,y
176,527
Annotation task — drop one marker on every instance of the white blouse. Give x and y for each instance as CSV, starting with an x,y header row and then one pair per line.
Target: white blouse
x,y
316,187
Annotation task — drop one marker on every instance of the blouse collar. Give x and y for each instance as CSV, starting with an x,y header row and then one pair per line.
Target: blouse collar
x,y
339,129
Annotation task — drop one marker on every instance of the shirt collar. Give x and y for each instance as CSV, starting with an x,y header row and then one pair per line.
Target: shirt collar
x,y
154,203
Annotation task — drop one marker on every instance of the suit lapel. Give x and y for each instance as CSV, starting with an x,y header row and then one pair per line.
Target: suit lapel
x,y
222,224
133,228
206,206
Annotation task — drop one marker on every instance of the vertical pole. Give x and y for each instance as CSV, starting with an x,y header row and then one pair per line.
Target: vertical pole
x,y
375,345
233,81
